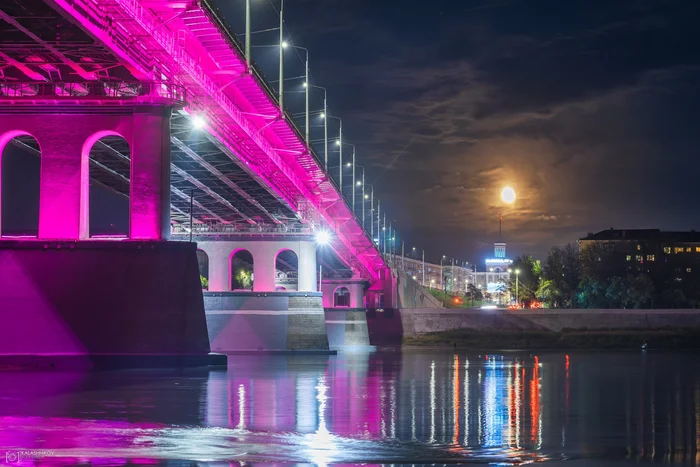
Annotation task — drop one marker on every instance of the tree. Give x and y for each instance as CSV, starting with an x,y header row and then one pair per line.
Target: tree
x,y
204,281
528,280
501,289
474,293
562,269
631,291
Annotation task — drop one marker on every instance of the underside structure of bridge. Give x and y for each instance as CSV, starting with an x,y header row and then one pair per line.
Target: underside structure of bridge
x,y
247,171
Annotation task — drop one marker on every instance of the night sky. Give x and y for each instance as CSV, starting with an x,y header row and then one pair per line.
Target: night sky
x,y
589,109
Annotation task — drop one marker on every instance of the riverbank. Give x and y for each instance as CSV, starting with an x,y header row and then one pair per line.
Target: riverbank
x,y
567,339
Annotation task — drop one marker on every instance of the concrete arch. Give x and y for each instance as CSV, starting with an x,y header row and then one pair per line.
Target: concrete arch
x,y
341,297
286,267
88,144
5,138
242,273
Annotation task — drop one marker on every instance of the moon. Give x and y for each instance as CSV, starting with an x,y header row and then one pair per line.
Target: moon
x,y
508,195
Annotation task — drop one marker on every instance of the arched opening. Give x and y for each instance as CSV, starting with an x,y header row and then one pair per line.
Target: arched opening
x,y
286,270
20,170
242,270
341,297
203,263
109,172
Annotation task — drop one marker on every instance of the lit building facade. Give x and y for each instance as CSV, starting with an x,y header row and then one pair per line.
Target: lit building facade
x,y
496,270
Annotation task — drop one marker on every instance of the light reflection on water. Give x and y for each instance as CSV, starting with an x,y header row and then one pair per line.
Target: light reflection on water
x,y
387,407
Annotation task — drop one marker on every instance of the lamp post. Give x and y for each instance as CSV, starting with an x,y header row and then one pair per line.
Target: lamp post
x,y
517,277
340,146
443,282
247,34
324,114
282,46
307,85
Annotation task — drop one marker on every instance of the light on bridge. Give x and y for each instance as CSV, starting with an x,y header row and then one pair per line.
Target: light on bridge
x,y
323,114
284,44
323,237
198,122
359,183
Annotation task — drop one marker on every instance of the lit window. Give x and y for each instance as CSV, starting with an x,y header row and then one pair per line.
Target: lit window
x,y
629,258
639,247
688,270
650,258
697,249
639,258
688,250
678,249
667,250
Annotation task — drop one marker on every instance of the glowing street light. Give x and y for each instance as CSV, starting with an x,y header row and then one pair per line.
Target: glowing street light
x,y
508,195
323,237
198,122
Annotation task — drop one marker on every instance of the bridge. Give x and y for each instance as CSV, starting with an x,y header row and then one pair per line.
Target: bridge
x,y
155,101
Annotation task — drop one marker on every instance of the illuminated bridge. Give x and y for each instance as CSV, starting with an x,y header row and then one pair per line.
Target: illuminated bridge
x,y
155,101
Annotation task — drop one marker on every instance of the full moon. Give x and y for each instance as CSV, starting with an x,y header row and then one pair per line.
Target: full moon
x,y
508,195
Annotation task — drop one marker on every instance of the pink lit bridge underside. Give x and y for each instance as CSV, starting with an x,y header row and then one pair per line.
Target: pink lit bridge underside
x,y
185,39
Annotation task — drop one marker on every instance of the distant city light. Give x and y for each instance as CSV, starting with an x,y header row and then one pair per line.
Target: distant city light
x,y
348,164
359,183
323,237
366,196
508,195
198,122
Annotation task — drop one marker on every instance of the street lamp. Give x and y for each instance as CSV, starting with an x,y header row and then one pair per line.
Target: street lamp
x,y
517,276
323,116
339,143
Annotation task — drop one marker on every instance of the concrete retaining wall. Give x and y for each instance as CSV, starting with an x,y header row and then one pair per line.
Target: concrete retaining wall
x,y
390,326
273,321
100,298
413,295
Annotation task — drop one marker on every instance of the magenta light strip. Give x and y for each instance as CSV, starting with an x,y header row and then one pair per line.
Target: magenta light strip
x,y
218,84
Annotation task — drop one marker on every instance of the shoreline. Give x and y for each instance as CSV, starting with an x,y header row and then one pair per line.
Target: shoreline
x,y
569,339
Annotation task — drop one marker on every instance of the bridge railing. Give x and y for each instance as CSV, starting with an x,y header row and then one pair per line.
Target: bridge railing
x,y
94,90
240,229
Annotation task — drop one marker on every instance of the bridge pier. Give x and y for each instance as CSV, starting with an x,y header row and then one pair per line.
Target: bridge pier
x,y
270,317
65,138
345,313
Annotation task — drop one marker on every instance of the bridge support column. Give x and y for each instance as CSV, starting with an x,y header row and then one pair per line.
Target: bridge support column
x,y
346,317
61,185
150,174
307,267
264,319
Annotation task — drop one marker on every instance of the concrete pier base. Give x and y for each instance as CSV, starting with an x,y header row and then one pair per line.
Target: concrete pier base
x,y
266,322
129,302
347,329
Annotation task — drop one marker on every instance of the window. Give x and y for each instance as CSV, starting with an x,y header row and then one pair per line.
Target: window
x,y
639,258
688,270
341,297
697,249
678,249
650,258
639,247
688,250
629,257
667,250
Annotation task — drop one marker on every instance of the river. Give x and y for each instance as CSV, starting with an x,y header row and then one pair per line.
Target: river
x,y
388,407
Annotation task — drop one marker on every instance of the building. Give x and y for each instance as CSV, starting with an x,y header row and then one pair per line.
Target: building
x,y
496,270
647,250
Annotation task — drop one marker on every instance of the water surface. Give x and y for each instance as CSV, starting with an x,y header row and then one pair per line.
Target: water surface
x,y
390,407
